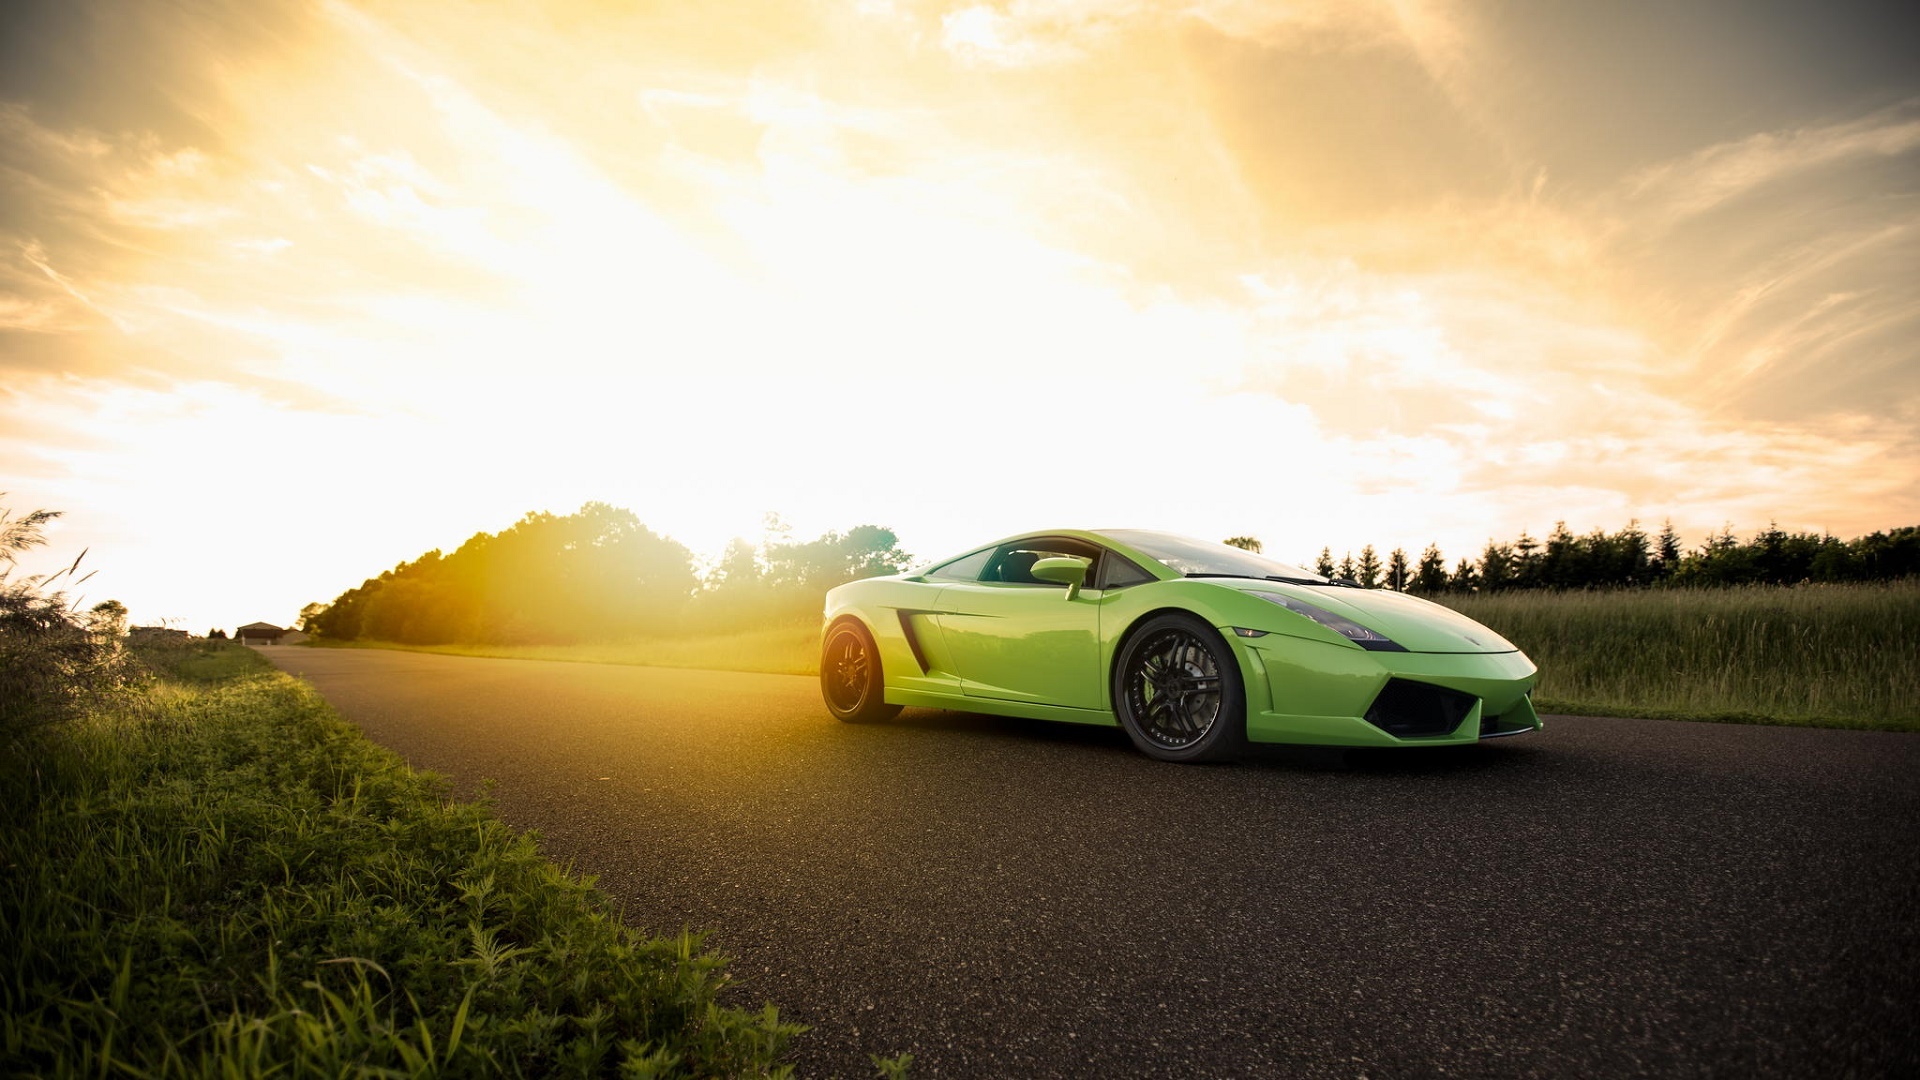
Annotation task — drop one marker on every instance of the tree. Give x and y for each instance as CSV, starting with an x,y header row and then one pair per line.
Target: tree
x,y
1889,555
1833,562
1244,543
310,618
1526,562
1397,573
738,568
875,550
1369,568
108,619
216,634
836,558
1722,561
1431,575
1871,557
1347,569
1496,567
1770,562
1324,564
595,574
1563,566
1465,579
1666,556
1628,557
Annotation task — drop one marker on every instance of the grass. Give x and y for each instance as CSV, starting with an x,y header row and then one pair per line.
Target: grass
x,y
216,876
784,648
1808,655
1812,655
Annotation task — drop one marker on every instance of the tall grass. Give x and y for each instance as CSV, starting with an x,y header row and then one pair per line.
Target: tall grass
x,y
219,877
55,662
1833,655
791,648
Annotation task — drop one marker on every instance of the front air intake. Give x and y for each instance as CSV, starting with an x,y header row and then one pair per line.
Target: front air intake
x,y
1409,710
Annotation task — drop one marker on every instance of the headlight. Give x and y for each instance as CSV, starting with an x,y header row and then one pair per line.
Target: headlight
x,y
1339,624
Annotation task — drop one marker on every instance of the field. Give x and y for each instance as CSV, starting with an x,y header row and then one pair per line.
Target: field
x,y
783,647
1819,655
1824,655
214,875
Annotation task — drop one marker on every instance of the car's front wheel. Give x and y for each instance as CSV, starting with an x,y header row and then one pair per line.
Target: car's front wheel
x,y
850,676
1177,691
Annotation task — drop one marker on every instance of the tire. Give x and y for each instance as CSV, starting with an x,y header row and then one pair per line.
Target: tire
x,y
1177,691
850,675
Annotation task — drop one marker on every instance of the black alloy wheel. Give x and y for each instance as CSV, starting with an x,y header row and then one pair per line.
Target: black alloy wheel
x,y
850,677
1177,690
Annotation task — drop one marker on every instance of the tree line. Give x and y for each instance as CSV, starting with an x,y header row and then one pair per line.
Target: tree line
x,y
600,574
1632,558
595,575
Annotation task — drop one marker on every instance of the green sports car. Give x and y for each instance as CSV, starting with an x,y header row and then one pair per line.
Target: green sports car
x,y
1194,648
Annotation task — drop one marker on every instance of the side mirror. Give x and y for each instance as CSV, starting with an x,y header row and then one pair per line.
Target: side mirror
x,y
1068,570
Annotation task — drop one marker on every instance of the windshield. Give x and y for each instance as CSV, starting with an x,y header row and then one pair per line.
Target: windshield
x,y
1198,558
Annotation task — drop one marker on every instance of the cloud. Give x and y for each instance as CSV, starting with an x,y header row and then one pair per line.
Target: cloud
x,y
1715,175
1038,33
1777,267
984,35
1507,399
1285,266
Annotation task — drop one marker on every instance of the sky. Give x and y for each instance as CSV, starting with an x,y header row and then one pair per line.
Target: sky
x,y
291,292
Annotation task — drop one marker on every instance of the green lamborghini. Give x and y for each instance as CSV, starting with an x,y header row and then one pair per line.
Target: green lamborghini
x,y
1194,648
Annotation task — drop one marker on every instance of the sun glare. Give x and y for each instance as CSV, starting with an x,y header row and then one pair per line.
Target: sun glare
x,y
904,263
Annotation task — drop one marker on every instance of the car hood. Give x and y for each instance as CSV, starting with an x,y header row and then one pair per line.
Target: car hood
x,y
1416,625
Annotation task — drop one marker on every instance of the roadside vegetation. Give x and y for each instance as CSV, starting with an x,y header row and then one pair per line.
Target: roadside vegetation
x,y
786,647
1630,558
212,874
55,661
1824,655
1781,627
597,576
205,872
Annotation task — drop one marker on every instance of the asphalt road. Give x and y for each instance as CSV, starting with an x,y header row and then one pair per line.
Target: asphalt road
x,y
1010,898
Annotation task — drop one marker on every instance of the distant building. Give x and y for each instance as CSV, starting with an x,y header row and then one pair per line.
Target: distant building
x,y
259,633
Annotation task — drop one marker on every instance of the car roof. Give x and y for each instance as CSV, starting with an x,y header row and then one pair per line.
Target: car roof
x,y
1093,536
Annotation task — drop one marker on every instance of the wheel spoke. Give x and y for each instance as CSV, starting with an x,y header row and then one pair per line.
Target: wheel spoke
x,y
1156,668
1174,688
850,666
1161,709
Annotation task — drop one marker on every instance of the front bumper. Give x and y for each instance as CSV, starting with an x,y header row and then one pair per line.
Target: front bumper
x,y
1329,695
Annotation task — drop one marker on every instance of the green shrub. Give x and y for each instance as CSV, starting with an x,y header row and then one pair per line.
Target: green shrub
x,y
54,662
220,877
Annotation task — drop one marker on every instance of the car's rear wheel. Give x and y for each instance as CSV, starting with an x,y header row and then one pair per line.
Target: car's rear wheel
x,y
850,676
1177,691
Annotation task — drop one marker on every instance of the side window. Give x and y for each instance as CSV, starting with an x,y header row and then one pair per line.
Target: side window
x,y
964,568
1117,572
1013,563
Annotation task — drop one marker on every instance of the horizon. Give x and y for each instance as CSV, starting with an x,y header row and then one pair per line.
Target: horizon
x,y
702,564
293,292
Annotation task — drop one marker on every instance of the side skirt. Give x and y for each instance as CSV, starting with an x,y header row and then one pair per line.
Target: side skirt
x,y
961,703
